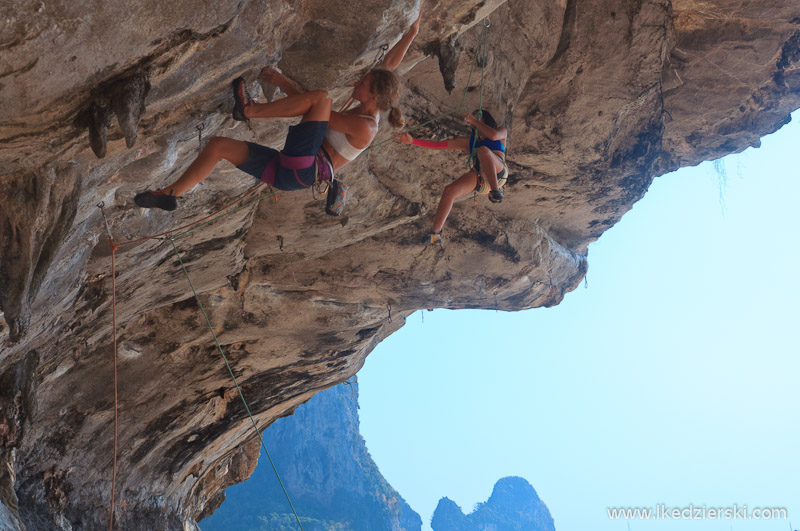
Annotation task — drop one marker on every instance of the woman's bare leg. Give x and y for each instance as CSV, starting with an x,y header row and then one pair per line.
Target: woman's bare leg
x,y
490,165
461,186
218,148
312,106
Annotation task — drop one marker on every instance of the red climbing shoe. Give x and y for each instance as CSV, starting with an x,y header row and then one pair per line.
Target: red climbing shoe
x,y
239,99
157,199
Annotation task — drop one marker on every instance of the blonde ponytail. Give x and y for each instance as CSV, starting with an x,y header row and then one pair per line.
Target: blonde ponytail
x,y
396,119
386,87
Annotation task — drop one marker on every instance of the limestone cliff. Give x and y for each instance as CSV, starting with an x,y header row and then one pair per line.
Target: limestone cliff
x,y
100,100
514,505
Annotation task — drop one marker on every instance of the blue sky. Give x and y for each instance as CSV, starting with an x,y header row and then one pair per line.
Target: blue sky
x,y
672,379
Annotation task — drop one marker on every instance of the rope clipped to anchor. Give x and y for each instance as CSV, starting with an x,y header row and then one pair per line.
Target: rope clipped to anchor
x,y
114,248
172,235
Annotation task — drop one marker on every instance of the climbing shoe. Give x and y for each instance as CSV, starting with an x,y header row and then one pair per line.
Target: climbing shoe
x,y
157,199
239,99
496,196
433,237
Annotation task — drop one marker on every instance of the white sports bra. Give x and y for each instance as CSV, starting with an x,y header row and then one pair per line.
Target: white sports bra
x,y
338,141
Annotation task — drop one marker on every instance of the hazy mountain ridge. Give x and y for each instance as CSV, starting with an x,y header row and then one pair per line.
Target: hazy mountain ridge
x,y
327,470
513,506
336,486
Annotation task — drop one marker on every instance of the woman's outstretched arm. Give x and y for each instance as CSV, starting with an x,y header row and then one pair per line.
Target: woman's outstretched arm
x,y
460,143
487,131
395,56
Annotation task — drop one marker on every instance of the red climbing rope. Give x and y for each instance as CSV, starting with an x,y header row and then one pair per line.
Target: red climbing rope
x,y
114,247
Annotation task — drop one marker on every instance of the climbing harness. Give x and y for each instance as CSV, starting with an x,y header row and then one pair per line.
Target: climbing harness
x,y
172,235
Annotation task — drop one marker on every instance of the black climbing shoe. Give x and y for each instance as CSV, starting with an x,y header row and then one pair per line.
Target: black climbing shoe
x,y
157,199
239,99
433,237
496,196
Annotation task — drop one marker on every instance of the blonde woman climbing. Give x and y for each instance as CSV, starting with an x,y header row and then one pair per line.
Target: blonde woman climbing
x,y
323,142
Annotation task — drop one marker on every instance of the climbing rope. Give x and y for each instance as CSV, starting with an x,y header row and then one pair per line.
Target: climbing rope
x,y
181,231
114,248
235,382
473,148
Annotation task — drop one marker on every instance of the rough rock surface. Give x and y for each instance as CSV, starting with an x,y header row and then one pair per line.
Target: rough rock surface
x,y
600,98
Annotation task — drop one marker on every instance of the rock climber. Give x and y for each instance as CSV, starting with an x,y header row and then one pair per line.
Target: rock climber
x,y
488,174
323,142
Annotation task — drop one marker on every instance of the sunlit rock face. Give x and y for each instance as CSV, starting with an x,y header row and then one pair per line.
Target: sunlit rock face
x,y
101,100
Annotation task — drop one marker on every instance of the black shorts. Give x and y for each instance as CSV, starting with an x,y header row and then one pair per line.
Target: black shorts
x,y
293,167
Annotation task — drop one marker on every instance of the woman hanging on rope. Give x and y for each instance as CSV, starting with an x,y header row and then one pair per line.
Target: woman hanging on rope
x,y
489,172
322,143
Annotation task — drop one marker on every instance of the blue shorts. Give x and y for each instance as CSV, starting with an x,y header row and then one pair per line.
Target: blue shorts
x,y
293,167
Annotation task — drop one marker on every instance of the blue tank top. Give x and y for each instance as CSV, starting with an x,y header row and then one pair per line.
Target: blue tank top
x,y
494,145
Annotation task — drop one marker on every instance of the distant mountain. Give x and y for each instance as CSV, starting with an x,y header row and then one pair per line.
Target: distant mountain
x,y
332,480
513,506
